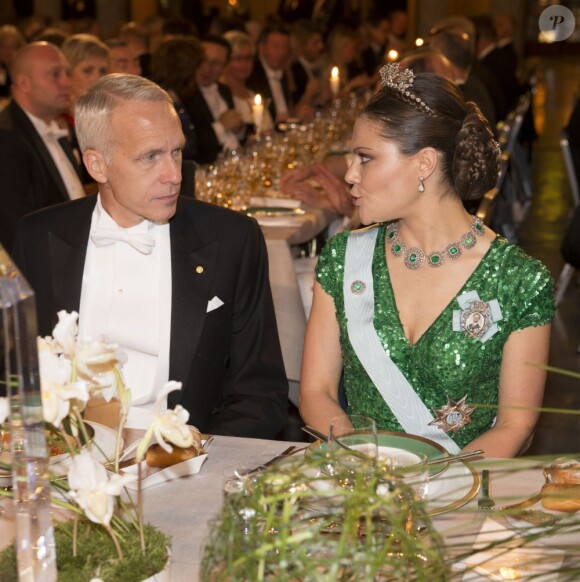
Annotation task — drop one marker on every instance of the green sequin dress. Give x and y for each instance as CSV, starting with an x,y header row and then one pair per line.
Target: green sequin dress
x,y
443,363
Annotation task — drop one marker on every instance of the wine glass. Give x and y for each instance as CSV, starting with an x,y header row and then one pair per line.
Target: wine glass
x,y
354,433
411,469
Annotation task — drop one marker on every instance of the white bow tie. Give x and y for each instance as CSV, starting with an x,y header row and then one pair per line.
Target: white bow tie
x,y
103,237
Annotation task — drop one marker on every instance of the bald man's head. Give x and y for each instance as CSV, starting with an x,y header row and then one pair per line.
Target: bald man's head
x,y
41,80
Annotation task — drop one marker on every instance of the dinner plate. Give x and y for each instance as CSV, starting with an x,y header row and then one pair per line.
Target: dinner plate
x,y
103,448
411,443
453,489
560,518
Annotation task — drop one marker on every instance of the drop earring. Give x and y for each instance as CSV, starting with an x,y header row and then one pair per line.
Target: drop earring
x,y
421,187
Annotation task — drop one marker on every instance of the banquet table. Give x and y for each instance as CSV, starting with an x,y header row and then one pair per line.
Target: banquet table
x,y
184,507
280,242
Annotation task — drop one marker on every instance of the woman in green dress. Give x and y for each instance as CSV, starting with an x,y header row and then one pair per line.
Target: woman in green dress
x,y
435,321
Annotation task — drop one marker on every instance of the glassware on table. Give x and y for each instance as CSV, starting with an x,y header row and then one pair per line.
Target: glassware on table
x,y
355,432
411,469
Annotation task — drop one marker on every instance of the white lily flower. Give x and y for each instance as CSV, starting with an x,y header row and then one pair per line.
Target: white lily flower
x,y
95,357
57,390
93,490
65,332
4,409
170,426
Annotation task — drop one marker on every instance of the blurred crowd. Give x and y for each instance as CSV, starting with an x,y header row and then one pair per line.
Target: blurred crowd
x,y
213,70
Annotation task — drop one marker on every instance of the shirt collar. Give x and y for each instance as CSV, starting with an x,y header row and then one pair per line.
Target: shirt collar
x,y
44,129
104,220
271,73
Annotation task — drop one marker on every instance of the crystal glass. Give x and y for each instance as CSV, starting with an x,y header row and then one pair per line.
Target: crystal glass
x,y
35,545
354,432
411,469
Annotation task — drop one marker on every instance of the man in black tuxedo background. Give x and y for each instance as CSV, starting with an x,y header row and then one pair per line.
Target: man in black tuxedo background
x,y
181,285
37,166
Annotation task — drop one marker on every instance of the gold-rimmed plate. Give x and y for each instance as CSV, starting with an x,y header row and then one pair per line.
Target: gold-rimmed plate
x,y
410,443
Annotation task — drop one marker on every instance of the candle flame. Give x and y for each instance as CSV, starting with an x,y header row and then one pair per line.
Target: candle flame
x,y
419,42
258,99
393,55
334,74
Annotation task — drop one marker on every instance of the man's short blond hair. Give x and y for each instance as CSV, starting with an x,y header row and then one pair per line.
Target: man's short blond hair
x,y
93,109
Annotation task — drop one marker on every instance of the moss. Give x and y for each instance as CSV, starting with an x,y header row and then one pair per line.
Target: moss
x,y
97,557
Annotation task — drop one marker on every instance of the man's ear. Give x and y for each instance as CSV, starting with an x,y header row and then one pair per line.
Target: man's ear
x,y
22,82
96,165
428,161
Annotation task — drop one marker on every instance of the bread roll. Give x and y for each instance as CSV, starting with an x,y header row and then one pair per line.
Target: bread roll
x,y
566,471
157,457
561,497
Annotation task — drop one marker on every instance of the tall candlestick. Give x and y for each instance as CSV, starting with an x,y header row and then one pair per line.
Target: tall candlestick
x,y
258,112
335,81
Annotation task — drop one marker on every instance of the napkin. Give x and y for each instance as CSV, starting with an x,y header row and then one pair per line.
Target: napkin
x,y
498,563
274,202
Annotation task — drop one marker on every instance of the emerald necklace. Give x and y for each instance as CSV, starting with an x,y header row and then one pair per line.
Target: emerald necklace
x,y
416,257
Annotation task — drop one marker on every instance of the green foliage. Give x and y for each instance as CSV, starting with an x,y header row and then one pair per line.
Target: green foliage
x,y
305,519
96,555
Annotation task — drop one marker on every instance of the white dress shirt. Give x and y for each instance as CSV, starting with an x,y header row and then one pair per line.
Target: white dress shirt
x,y
275,82
126,296
50,134
218,107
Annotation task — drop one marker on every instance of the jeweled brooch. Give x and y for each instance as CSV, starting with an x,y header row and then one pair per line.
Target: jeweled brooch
x,y
358,287
453,416
476,318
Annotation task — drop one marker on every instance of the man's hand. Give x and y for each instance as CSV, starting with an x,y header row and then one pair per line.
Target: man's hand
x,y
231,120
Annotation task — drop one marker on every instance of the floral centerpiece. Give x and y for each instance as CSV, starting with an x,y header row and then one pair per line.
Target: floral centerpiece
x,y
105,537
321,518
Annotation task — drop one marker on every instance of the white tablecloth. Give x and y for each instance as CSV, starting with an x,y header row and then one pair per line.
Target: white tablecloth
x,y
183,508
285,289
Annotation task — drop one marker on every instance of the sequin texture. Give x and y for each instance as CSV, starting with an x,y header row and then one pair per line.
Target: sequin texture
x,y
443,363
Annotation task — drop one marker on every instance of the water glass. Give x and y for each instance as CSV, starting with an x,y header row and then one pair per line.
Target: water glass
x,y
412,470
353,432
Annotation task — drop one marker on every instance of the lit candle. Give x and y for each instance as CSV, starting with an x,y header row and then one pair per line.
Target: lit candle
x,y
258,111
335,81
419,42
392,55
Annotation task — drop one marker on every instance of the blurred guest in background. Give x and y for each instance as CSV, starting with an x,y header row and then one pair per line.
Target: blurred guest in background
x,y
174,66
458,48
35,168
137,37
269,77
498,63
122,59
306,75
342,51
212,110
236,74
11,41
375,35
89,61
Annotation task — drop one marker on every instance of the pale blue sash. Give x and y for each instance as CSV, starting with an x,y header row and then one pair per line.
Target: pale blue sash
x,y
401,398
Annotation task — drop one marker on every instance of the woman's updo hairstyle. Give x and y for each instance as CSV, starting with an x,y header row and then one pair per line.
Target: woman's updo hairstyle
x,y
427,110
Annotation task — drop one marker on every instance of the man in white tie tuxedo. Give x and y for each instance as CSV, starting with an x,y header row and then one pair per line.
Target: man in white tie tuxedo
x,y
181,285
37,167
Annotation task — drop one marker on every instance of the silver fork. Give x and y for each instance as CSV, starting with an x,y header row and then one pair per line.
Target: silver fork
x,y
485,501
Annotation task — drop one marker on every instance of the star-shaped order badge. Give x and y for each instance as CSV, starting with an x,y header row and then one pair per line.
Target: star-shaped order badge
x,y
453,415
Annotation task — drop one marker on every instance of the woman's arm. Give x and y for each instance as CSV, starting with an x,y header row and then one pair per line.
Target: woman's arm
x,y
321,364
520,385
